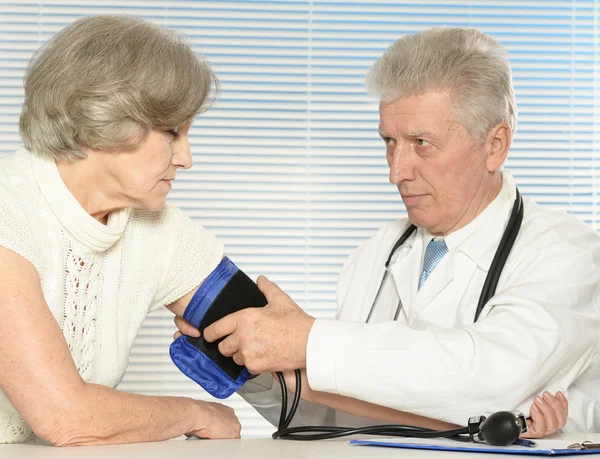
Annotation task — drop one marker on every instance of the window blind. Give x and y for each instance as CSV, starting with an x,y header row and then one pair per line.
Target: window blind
x,y
289,170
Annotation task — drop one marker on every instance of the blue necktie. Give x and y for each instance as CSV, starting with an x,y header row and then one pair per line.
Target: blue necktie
x,y
434,253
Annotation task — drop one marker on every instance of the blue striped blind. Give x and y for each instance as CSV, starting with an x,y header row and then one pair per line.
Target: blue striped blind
x,y
289,169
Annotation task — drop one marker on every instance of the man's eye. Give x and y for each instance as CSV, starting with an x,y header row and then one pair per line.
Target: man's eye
x,y
422,143
387,140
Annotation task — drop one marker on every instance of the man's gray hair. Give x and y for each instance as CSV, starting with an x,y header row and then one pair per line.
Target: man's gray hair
x,y
105,82
472,66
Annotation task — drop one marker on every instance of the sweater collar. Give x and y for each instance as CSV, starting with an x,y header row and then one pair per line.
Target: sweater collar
x,y
81,225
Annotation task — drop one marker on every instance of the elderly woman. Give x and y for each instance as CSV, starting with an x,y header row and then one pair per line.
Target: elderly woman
x,y
87,246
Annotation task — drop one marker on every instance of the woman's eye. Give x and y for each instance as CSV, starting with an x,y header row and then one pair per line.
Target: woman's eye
x,y
422,143
173,132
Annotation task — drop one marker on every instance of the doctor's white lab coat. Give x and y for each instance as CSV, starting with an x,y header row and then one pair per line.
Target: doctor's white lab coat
x,y
540,331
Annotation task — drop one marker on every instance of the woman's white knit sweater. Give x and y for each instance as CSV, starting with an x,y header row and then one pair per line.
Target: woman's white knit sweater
x,y
99,281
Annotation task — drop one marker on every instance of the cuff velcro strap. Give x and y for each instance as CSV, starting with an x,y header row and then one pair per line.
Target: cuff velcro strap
x,y
226,290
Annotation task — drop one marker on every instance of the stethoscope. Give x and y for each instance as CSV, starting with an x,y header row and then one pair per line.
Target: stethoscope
x,y
491,281
503,428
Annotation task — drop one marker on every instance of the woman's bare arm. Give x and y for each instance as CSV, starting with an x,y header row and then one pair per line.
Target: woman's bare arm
x,y
39,377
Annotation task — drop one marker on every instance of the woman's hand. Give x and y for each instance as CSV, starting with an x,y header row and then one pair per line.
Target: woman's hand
x,y
548,415
218,421
184,328
178,308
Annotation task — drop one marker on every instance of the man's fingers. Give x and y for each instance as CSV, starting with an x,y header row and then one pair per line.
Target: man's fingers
x,y
185,327
563,401
176,335
557,407
529,433
269,289
237,358
220,328
548,413
536,427
229,347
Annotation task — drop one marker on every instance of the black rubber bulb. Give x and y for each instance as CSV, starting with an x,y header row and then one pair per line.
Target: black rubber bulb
x,y
500,429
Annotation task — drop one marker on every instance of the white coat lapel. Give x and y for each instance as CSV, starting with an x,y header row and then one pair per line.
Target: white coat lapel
x,y
438,280
406,276
446,291
447,284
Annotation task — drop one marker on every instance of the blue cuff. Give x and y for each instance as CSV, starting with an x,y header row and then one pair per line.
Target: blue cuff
x,y
193,362
200,368
208,291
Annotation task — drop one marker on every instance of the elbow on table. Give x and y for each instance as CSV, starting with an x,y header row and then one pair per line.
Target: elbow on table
x,y
60,435
55,430
62,424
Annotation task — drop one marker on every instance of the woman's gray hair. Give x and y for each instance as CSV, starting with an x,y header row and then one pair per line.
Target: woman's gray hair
x,y
106,81
472,66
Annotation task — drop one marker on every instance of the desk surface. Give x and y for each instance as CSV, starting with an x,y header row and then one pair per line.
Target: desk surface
x,y
259,448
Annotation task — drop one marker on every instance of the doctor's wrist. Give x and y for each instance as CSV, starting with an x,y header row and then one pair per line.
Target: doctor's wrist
x,y
302,342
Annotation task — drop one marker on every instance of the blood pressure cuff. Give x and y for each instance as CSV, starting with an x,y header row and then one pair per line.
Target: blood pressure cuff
x,y
226,290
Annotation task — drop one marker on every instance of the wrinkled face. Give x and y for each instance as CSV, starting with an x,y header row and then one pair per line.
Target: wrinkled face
x,y
439,169
144,175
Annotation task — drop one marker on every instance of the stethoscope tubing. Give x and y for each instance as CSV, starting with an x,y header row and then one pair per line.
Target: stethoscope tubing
x,y
491,281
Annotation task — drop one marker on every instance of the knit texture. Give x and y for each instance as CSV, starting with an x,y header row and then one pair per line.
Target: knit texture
x,y
99,281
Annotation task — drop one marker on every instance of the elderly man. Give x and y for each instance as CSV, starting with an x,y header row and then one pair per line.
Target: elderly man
x,y
410,342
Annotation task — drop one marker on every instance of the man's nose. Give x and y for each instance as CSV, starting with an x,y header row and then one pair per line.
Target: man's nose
x,y
400,164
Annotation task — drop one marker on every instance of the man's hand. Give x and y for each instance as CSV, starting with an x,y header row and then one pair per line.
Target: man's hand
x,y
272,338
548,415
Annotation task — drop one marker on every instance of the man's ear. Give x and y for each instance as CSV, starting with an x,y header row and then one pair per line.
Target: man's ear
x,y
497,144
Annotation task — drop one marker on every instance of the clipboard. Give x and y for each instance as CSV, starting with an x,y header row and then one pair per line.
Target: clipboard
x,y
542,447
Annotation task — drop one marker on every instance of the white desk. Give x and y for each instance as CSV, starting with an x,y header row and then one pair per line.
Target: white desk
x,y
259,448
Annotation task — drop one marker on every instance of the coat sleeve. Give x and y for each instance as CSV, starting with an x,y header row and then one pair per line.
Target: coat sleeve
x,y
540,331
